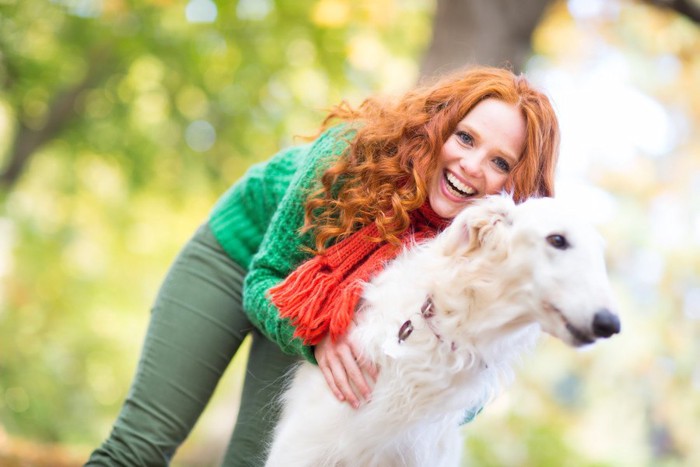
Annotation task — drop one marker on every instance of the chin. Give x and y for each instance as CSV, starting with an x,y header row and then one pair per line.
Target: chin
x,y
448,209
444,211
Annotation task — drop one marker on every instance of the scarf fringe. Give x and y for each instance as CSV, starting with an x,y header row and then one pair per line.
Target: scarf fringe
x,y
302,299
345,304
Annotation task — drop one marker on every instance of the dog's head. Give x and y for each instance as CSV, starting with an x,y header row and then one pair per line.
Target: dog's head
x,y
546,256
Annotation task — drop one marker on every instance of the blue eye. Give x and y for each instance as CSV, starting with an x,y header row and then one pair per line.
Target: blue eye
x,y
502,164
465,137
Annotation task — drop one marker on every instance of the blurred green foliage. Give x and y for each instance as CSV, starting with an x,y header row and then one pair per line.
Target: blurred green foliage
x,y
122,121
133,117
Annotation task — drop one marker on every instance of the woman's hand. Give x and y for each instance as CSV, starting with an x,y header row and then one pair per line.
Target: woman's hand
x,y
345,370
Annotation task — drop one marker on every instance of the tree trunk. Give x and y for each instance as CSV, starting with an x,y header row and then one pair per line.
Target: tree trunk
x,y
688,8
484,32
499,32
61,114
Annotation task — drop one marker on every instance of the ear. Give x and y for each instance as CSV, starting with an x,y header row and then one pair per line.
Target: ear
x,y
482,223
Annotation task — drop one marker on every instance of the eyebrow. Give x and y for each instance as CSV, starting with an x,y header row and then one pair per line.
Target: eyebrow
x,y
475,134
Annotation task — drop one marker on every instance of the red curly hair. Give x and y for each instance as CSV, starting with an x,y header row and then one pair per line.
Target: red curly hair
x,y
394,147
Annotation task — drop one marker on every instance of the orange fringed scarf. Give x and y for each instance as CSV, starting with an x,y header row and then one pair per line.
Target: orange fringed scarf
x,y
320,296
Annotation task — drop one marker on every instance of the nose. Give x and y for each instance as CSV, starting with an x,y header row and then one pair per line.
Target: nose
x,y
605,323
471,164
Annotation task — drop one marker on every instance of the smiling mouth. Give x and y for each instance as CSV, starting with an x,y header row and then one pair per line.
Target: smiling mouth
x,y
456,187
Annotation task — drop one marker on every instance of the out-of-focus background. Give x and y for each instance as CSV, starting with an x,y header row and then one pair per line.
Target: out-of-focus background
x,y
122,121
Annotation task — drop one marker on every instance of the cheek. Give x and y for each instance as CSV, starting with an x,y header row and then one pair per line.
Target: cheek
x,y
496,183
434,183
451,152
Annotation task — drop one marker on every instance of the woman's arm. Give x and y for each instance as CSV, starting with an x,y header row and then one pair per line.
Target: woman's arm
x,y
281,248
280,253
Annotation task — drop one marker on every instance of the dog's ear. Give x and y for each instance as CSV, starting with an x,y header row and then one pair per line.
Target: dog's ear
x,y
483,223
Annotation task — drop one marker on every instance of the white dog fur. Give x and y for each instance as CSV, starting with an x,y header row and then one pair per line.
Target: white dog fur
x,y
475,298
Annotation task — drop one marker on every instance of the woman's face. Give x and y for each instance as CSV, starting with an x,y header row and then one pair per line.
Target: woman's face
x,y
478,157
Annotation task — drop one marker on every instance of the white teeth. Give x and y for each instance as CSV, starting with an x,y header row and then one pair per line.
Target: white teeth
x,y
461,187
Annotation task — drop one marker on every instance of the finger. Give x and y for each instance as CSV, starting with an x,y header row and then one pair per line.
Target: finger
x,y
365,364
325,355
357,378
368,367
330,381
341,380
371,369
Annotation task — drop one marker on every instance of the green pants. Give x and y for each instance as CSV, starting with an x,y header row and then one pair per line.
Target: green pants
x,y
197,325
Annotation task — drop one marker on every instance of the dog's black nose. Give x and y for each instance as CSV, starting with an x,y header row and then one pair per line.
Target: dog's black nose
x,y
605,324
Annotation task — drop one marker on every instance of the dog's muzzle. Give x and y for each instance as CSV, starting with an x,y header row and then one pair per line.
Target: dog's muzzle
x,y
604,324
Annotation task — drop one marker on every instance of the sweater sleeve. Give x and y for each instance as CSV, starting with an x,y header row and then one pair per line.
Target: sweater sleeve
x,y
242,215
281,248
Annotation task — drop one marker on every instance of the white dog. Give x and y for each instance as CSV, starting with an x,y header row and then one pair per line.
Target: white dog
x,y
445,322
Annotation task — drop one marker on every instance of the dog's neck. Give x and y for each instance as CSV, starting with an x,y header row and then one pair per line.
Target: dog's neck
x,y
494,334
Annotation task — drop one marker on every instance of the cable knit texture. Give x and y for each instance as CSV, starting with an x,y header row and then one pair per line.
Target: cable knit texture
x,y
257,222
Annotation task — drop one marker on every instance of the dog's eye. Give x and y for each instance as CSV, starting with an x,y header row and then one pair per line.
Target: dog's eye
x,y
558,241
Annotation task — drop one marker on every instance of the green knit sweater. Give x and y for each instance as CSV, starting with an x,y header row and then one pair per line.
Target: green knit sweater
x,y
257,222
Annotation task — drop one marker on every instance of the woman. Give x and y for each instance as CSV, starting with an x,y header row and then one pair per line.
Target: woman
x,y
378,171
